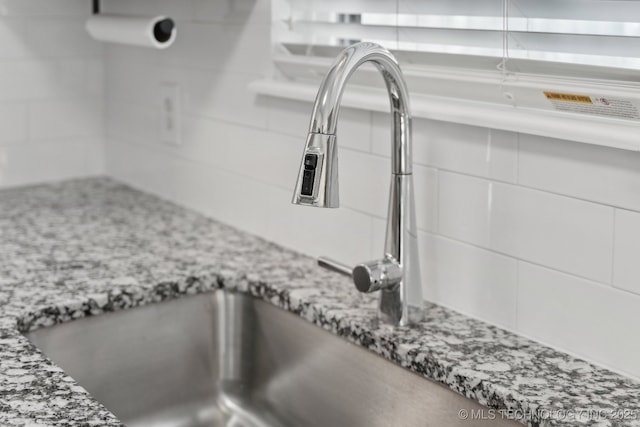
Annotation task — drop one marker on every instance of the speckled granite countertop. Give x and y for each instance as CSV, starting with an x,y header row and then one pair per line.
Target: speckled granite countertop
x,y
83,247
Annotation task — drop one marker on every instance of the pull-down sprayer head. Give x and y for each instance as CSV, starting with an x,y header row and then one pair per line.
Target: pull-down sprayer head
x,y
317,183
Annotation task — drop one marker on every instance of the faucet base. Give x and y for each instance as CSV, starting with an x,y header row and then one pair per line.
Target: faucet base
x,y
402,304
391,311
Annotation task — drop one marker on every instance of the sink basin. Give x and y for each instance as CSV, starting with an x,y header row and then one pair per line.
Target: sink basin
x,y
225,359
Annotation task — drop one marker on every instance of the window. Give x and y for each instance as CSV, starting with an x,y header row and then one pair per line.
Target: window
x,y
529,55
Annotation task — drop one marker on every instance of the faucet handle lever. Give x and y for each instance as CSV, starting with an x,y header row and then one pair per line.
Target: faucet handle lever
x,y
369,276
333,265
379,274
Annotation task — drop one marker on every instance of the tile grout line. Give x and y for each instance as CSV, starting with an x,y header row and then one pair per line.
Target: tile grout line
x,y
613,247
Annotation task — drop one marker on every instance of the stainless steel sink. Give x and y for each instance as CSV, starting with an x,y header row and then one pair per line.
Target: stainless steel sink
x,y
224,359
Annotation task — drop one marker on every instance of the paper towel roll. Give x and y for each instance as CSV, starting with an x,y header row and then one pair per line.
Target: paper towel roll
x,y
157,32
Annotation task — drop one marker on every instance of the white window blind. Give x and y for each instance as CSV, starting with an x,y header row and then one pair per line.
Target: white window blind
x,y
590,38
520,65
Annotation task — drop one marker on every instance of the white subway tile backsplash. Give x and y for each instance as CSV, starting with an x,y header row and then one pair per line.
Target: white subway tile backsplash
x,y
364,181
472,280
197,46
94,77
40,79
425,181
64,118
156,171
13,39
33,8
626,268
13,122
50,92
232,198
579,316
563,233
215,143
559,232
464,204
247,12
205,139
290,117
478,282
378,233
263,156
293,118
139,166
454,147
31,163
354,129
21,80
222,190
133,122
179,10
590,172
320,232
60,37
95,161
224,96
138,80
502,155
246,48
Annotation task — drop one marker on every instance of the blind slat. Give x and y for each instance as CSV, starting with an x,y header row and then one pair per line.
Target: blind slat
x,y
482,23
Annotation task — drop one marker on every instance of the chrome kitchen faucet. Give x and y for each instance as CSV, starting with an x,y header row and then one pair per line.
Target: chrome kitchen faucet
x,y
397,274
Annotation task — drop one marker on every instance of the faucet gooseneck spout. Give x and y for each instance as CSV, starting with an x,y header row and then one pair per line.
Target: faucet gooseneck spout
x,y
397,274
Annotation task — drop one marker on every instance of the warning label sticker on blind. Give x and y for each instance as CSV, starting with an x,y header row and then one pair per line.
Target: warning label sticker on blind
x,y
568,97
604,106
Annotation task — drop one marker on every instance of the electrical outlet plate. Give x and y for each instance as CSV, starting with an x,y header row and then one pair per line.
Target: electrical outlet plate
x,y
171,114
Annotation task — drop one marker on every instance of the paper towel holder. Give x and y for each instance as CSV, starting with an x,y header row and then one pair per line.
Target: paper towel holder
x,y
162,33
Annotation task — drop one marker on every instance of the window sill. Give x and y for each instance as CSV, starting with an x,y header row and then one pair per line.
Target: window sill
x,y
607,132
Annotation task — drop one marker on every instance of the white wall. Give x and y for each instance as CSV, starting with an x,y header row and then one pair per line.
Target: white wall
x,y
51,84
536,235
